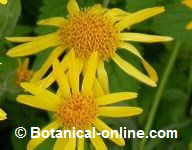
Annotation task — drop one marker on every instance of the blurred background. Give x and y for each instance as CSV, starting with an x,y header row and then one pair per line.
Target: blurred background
x,y
172,61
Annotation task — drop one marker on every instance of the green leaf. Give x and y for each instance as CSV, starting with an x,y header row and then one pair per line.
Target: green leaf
x,y
9,15
8,87
173,23
135,5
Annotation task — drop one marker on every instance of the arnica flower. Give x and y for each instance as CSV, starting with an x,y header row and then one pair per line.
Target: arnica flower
x,y
23,73
3,115
89,30
3,2
78,106
188,3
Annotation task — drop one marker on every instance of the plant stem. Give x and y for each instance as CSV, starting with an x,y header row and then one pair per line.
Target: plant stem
x,y
106,3
159,92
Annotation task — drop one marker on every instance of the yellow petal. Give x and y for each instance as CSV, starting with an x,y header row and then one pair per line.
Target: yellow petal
x,y
132,71
115,98
33,143
44,68
150,70
55,21
38,102
188,3
60,144
27,38
73,7
70,145
189,26
98,143
3,115
81,144
22,39
118,112
76,66
90,74
66,61
130,48
35,46
40,92
61,78
3,2
116,14
46,82
59,93
103,77
97,9
145,38
101,126
98,90
138,17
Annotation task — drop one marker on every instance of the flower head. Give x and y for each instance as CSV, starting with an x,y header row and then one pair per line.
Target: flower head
x,y
87,32
78,104
95,29
3,115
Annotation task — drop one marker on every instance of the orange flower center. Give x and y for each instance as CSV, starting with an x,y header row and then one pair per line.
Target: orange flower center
x,y
87,32
78,111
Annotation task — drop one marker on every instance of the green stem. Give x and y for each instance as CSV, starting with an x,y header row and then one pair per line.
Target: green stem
x,y
159,92
106,3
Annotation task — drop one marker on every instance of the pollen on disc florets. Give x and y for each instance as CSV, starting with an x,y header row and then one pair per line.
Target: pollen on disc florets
x,y
78,111
88,31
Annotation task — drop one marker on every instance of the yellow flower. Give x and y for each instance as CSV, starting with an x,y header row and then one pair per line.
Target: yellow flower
x,y
23,73
89,30
78,106
188,3
3,115
3,2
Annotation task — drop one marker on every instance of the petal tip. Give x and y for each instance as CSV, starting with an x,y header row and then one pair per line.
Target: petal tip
x,y
40,22
154,84
122,143
24,84
10,54
4,117
170,38
135,95
139,111
159,9
7,38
